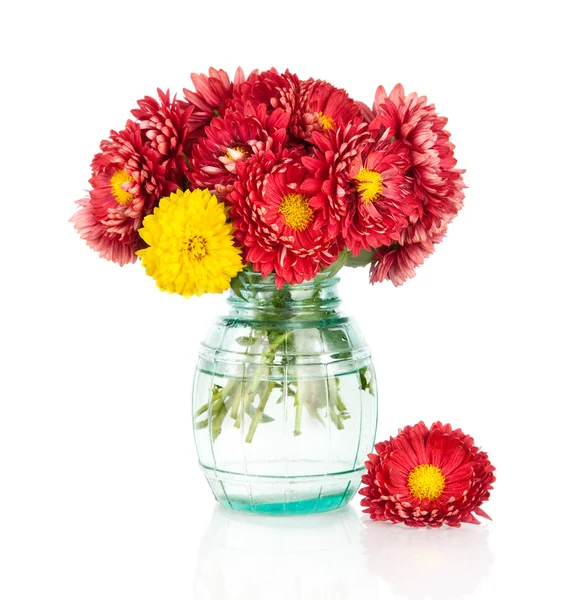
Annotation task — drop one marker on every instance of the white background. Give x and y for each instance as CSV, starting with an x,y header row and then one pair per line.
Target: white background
x,y
100,493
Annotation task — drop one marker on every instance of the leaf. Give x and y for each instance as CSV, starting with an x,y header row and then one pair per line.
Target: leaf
x,y
365,380
338,264
361,260
237,287
335,339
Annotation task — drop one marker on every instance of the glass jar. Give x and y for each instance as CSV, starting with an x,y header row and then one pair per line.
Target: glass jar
x,y
284,399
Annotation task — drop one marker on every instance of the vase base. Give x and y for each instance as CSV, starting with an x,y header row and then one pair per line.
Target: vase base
x,y
300,507
283,495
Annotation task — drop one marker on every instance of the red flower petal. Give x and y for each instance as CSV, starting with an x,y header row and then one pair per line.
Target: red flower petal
x,y
467,472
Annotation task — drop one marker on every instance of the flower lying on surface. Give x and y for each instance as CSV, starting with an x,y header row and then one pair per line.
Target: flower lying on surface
x,y
191,250
427,477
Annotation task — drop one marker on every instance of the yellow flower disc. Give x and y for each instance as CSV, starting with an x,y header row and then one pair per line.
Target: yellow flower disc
x,y
426,481
369,185
296,211
117,181
191,248
326,121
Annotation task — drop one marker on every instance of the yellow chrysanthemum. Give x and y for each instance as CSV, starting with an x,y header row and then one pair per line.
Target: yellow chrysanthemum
x,y
191,248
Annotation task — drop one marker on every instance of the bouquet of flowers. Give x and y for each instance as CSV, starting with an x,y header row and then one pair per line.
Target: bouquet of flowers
x,y
271,175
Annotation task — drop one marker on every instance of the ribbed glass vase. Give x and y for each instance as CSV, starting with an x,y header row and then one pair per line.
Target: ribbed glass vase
x,y
284,399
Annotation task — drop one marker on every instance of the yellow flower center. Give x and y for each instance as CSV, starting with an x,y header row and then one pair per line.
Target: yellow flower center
x,y
296,211
369,185
117,180
236,153
196,247
326,122
426,481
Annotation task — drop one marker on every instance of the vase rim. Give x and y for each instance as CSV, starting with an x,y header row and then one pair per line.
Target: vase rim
x,y
327,277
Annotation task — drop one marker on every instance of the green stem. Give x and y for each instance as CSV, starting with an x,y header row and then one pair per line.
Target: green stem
x,y
216,396
254,382
335,418
267,358
333,401
217,421
259,412
341,407
236,405
201,410
298,407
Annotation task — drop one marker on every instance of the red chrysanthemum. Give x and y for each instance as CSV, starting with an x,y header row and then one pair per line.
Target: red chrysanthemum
x,y
379,199
280,228
270,88
212,93
127,181
231,138
165,126
335,150
397,262
321,107
427,477
363,177
437,183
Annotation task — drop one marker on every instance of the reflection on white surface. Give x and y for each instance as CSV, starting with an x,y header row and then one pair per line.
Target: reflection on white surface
x,y
425,563
335,556
297,557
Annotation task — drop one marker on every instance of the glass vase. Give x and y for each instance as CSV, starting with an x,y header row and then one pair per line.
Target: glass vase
x,y
284,399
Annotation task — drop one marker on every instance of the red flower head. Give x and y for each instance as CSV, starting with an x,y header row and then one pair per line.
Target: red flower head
x,y
322,107
232,138
212,93
437,184
127,181
336,149
363,178
281,228
427,478
398,261
270,89
165,126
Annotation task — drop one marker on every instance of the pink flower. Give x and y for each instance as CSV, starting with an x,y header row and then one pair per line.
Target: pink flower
x,y
127,181
282,229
